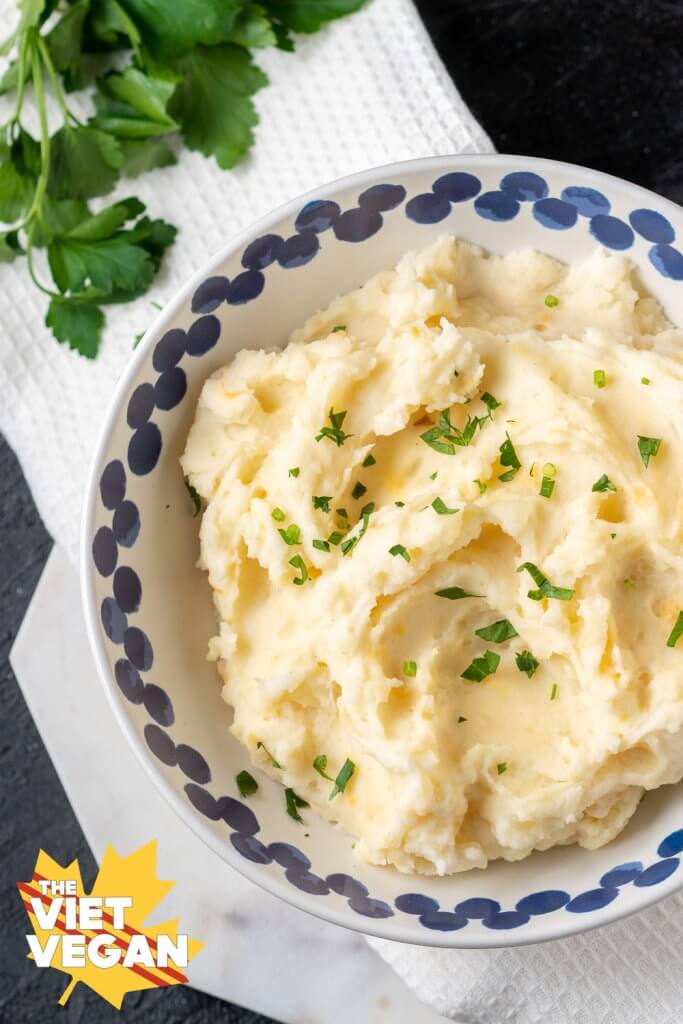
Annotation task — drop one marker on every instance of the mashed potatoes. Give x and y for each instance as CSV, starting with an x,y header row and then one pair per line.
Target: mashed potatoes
x,y
443,531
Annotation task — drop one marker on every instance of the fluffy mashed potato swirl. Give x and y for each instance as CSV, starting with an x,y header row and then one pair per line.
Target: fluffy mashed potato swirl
x,y
498,412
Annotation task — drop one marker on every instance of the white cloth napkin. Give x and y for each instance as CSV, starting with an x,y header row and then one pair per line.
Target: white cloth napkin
x,y
624,973
366,91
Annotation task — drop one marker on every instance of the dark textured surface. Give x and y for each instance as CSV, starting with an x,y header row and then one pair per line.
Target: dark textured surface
x,y
595,84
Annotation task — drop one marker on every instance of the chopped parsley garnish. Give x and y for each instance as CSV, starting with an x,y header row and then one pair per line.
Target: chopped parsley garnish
x,y
336,537
551,300
334,432
292,535
482,667
454,593
508,457
342,513
603,484
631,584
320,764
644,380
300,565
338,327
345,773
545,587
490,402
196,500
365,514
398,549
264,748
501,767
293,802
461,718
676,632
526,662
599,378
482,487
246,784
444,436
322,502
294,471
410,668
547,487
554,691
369,460
648,447
399,504
321,545
442,509
278,515
359,490
498,632
433,476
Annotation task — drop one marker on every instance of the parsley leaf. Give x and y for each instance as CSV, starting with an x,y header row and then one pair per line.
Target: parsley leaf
x,y
194,495
551,300
444,437
410,668
482,667
545,587
398,549
334,432
299,564
292,535
490,402
603,484
246,783
132,104
359,490
454,593
676,632
309,15
213,101
322,502
508,457
648,447
501,767
78,324
293,802
498,632
84,162
369,460
169,29
554,691
526,662
547,487
321,545
599,378
442,509
294,471
345,773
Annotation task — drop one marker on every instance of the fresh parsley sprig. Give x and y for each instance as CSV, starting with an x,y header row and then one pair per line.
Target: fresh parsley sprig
x,y
190,73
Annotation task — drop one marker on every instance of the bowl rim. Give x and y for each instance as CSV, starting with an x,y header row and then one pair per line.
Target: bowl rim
x,y
392,929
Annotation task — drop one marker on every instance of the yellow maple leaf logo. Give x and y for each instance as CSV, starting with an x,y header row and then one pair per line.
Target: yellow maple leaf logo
x,y
137,954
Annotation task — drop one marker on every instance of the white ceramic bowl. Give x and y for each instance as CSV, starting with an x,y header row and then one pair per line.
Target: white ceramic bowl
x,y
149,610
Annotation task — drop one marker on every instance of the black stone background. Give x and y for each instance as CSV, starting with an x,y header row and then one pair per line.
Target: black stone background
x,y
592,83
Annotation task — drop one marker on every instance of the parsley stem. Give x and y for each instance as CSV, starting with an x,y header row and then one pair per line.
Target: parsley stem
x,y
39,89
21,78
54,80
